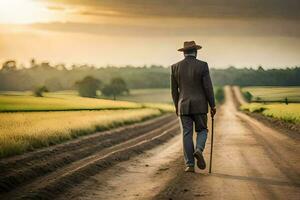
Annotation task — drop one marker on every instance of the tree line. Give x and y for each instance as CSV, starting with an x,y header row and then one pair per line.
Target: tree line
x,y
58,77
89,86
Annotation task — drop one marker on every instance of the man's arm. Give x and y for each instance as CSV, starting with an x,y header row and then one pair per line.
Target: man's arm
x,y
208,89
174,91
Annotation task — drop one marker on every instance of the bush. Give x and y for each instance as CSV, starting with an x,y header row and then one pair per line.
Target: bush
x,y
248,96
88,86
116,87
38,91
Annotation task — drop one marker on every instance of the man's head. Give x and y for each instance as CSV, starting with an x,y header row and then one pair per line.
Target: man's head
x,y
190,52
190,48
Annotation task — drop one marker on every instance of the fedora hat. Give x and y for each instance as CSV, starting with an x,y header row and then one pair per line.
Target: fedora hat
x,y
188,45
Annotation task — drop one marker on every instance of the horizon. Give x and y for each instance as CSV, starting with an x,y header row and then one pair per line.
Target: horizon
x,y
119,33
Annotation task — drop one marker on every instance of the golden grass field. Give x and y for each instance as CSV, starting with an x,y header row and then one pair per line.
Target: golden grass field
x,y
288,113
22,132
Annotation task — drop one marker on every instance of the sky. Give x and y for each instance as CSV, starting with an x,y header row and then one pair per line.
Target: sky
x,y
243,33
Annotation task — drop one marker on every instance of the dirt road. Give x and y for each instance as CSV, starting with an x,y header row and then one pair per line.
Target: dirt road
x,y
144,161
251,161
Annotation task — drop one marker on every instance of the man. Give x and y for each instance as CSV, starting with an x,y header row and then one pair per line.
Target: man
x,y
192,91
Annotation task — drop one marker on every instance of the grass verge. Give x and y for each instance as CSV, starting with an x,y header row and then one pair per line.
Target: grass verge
x,y
287,113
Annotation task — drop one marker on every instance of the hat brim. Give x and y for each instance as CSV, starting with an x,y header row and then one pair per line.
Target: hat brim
x,y
196,47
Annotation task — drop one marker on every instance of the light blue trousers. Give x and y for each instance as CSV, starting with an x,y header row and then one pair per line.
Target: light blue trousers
x,y
187,124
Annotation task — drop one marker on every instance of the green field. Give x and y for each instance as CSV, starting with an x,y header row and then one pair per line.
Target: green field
x,y
69,100
24,131
58,101
162,95
274,93
288,113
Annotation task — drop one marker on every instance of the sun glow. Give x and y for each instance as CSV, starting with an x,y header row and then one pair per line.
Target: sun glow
x,y
23,12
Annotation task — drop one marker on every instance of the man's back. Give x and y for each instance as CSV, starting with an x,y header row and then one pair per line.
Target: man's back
x,y
191,86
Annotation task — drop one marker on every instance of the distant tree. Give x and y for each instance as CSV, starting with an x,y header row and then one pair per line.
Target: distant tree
x,y
38,91
248,96
116,87
260,68
88,86
9,65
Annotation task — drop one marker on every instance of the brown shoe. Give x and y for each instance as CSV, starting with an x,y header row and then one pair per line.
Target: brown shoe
x,y
190,169
200,159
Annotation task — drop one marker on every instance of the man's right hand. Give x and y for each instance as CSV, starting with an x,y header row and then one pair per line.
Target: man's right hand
x,y
213,111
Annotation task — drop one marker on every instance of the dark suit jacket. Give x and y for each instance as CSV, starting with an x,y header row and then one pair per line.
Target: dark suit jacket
x,y
191,86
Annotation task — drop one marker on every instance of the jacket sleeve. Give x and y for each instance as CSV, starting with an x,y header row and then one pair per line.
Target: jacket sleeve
x,y
208,87
174,90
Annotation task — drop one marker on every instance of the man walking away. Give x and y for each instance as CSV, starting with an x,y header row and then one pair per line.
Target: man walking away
x,y
192,91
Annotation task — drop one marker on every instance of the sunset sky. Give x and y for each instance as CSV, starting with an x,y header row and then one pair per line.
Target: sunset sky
x,y
138,32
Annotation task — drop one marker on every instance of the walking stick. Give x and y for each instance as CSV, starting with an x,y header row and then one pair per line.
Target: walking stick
x,y
211,143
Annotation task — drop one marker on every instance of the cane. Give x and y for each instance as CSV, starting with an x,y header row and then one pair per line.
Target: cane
x,y
211,143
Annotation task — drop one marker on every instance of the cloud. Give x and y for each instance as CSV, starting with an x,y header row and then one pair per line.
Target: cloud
x,y
181,28
283,9
179,17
